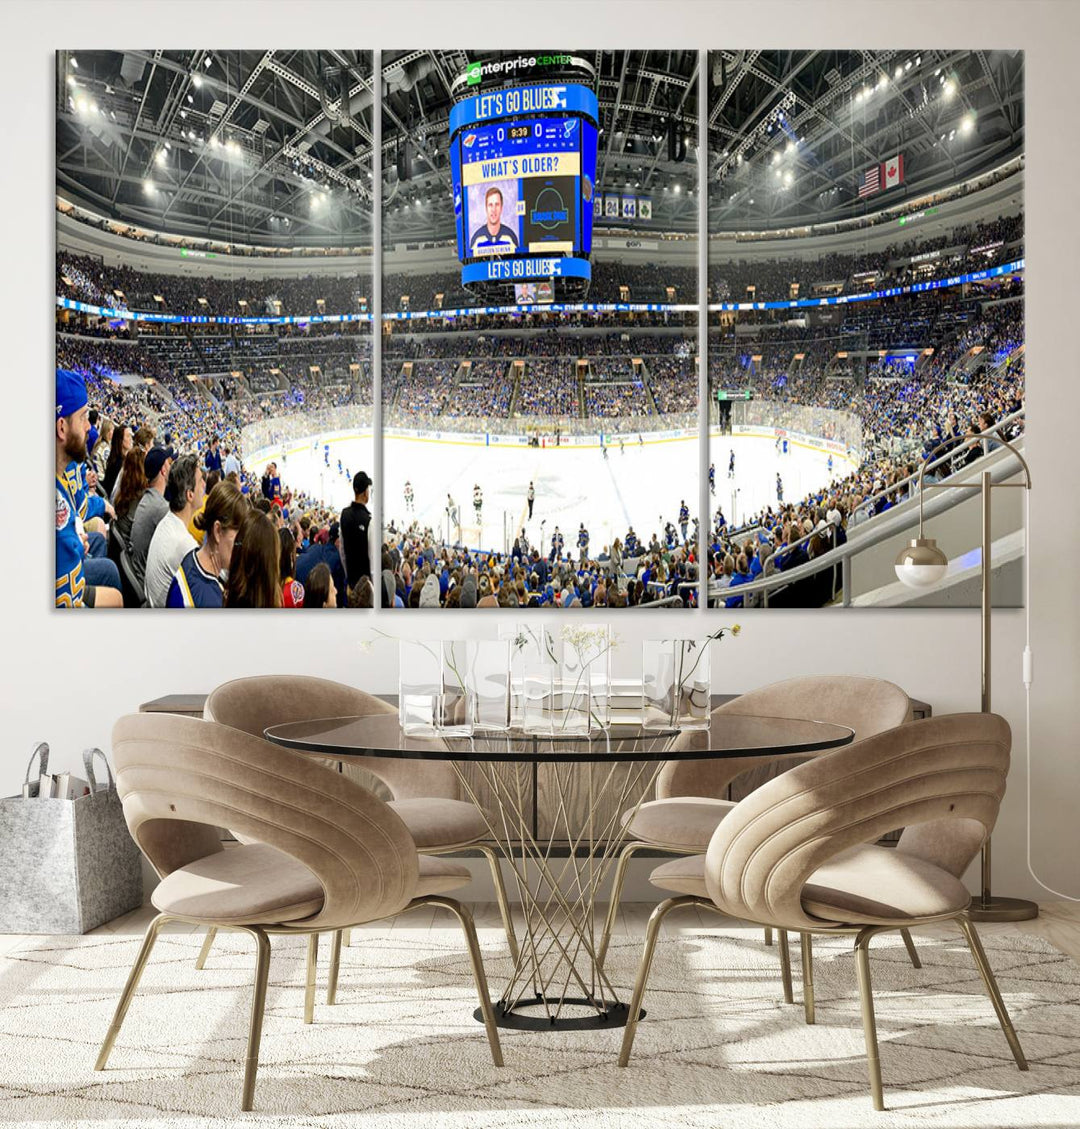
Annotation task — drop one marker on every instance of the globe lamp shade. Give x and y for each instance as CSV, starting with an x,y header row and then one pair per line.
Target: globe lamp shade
x,y
921,563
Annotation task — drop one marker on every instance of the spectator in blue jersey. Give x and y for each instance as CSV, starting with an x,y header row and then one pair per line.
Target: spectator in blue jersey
x,y
199,580
326,552
92,433
72,424
741,576
213,456
98,570
583,544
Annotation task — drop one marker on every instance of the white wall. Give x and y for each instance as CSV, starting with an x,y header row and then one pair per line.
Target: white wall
x,y
65,678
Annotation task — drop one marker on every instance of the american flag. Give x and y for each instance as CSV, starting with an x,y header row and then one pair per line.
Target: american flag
x,y
870,181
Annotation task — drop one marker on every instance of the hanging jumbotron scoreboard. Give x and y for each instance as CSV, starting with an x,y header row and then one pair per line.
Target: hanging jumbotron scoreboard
x,y
523,139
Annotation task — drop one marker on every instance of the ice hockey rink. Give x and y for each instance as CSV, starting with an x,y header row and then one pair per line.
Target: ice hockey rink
x,y
640,485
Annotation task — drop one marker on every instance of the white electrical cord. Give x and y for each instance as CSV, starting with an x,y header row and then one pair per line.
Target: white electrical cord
x,y
1027,676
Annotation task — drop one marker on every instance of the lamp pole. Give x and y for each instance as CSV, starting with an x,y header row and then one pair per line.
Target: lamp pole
x,y
986,907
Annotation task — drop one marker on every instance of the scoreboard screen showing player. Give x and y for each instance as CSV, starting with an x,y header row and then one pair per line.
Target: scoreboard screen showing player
x,y
521,183
524,183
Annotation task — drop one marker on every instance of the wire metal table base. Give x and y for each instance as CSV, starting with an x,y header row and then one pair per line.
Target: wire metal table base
x,y
558,982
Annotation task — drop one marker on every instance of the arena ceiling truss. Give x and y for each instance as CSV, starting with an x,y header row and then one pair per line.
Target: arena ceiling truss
x,y
236,146
826,116
275,147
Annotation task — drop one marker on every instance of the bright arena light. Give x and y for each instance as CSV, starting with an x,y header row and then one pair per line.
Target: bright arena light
x,y
967,123
949,88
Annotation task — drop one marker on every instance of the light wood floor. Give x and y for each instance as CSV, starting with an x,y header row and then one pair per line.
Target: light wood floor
x,y
1058,923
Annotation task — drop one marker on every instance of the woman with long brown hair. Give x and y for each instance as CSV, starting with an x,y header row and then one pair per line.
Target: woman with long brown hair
x,y
254,572
132,486
122,442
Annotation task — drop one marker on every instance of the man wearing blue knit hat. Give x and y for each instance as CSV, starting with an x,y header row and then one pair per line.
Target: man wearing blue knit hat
x,y
72,425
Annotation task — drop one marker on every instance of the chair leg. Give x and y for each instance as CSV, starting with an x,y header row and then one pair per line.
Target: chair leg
x,y
992,990
335,965
806,951
912,952
651,934
768,935
204,952
785,966
500,896
866,1002
616,894
134,976
346,937
258,1007
464,915
309,991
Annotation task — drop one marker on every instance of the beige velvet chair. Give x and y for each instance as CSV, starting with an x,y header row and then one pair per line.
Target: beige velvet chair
x,y
425,793
801,852
324,852
691,795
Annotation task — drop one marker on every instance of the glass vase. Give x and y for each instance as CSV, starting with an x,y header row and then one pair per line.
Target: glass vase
x,y
526,649
419,686
677,683
433,697
556,700
537,697
488,680
457,704
583,652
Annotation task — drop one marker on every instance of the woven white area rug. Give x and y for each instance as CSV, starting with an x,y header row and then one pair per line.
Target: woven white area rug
x,y
719,1048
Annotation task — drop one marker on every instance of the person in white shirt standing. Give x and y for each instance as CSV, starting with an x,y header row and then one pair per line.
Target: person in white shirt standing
x,y
232,463
172,541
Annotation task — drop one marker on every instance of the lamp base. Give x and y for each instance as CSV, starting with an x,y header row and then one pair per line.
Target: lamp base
x,y
1002,909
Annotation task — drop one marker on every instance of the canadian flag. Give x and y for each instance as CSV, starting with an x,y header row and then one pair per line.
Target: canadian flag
x,y
894,171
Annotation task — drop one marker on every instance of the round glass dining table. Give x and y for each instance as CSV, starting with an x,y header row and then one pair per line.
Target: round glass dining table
x,y
559,807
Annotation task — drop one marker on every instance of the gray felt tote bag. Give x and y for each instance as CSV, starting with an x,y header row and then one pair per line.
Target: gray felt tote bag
x,y
66,865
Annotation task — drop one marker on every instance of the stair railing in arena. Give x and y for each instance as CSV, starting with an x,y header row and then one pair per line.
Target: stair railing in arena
x,y
882,528
913,479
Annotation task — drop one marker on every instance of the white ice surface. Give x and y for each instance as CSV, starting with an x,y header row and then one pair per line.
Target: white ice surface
x,y
641,486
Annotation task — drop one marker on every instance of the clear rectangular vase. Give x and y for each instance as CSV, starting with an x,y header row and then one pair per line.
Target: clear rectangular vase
x,y
433,697
488,680
419,686
583,654
556,700
526,649
457,706
677,683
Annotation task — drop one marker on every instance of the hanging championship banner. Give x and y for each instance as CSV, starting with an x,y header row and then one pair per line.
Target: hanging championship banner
x,y
611,207
629,207
644,208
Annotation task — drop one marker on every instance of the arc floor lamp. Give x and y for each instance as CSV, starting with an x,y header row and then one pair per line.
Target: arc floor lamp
x,y
920,564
